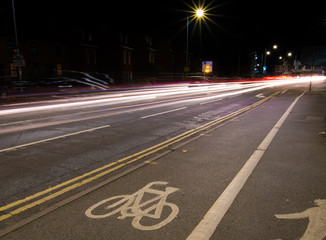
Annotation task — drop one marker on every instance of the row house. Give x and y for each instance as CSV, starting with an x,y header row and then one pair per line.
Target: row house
x,y
116,56
125,56
42,58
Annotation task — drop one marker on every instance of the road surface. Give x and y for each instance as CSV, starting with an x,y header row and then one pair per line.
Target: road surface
x,y
213,161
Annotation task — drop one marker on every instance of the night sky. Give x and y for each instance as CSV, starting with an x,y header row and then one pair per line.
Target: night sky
x,y
237,25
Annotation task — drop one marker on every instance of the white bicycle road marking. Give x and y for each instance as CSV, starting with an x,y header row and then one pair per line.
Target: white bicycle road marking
x,y
316,229
135,206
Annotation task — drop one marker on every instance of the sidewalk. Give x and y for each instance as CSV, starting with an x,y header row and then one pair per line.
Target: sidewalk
x,y
288,179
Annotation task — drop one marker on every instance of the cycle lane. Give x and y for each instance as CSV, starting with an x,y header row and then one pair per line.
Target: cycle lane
x,y
285,197
198,172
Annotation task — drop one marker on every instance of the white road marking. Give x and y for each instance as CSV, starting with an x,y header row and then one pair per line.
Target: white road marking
x,y
211,101
136,207
51,139
156,114
316,229
260,95
205,229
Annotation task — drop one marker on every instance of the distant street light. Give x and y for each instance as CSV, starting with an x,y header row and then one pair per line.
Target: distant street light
x,y
267,53
289,54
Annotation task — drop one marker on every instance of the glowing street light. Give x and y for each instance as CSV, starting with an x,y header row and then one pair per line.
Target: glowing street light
x,y
290,54
275,46
199,13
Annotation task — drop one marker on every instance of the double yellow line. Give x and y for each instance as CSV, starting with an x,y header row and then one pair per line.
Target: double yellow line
x,y
102,171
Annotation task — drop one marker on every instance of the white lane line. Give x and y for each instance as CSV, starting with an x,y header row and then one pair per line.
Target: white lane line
x,y
211,101
205,229
51,139
156,114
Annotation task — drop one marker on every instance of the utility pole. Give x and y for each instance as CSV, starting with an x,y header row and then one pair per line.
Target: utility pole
x,y
19,61
15,26
187,49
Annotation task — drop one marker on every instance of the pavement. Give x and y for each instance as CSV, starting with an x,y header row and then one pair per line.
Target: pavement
x,y
283,198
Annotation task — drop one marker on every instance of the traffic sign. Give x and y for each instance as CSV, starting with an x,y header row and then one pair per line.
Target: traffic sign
x,y
19,62
18,59
207,66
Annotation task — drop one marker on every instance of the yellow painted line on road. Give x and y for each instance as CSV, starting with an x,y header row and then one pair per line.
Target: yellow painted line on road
x,y
136,157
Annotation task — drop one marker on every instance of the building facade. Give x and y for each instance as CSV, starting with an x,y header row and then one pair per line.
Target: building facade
x,y
125,56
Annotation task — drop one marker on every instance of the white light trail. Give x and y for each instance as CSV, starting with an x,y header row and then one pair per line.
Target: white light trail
x,y
149,94
75,104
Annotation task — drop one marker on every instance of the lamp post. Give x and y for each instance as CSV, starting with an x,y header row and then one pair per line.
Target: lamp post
x,y
265,60
267,52
18,59
199,13
14,18
187,48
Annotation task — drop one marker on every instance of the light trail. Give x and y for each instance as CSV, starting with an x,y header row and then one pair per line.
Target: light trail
x,y
150,94
74,104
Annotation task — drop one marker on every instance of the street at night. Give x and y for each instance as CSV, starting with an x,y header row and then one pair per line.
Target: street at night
x,y
162,120
153,163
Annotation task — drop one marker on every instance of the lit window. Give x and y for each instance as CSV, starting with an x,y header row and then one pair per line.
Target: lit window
x,y
13,70
59,69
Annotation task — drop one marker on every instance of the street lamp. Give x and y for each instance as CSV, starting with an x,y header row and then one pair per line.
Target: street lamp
x,y
17,53
198,13
267,52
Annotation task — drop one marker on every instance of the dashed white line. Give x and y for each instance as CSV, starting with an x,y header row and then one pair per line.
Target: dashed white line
x,y
211,101
160,113
51,139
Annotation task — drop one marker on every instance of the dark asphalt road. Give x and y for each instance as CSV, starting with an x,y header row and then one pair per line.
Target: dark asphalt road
x,y
39,166
288,178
